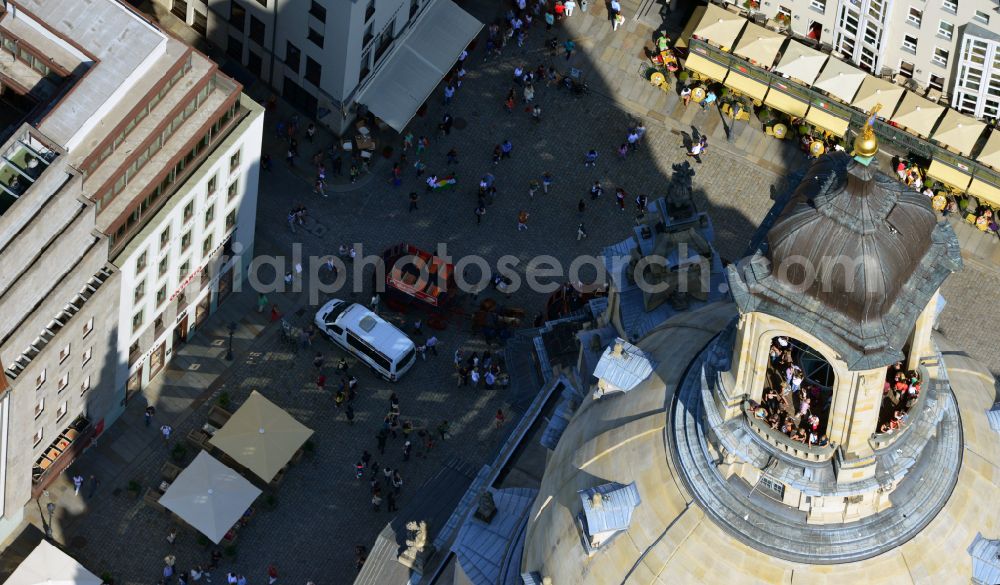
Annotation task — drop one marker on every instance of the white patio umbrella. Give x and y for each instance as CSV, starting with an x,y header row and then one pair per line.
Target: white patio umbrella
x,y
261,436
958,132
759,45
917,114
801,63
209,496
47,565
840,79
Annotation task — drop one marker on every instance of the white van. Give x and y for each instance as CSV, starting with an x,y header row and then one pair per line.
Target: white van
x,y
388,351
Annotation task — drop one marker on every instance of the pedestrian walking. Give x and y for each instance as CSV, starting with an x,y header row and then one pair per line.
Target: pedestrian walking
x,y
633,140
390,502
172,535
569,46
546,182
310,131
449,92
533,186
166,430
499,418
431,344
529,93
77,484
522,220
580,232
349,413
617,21
272,575
452,157
376,503
506,148
420,167
318,361
596,190
536,113
568,7
480,212
591,159
413,201
147,415
695,151
321,383
381,438
497,154
620,198
407,448
640,204
94,483
442,429
581,206
623,151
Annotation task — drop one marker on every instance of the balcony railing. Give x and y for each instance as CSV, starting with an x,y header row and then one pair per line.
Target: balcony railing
x,y
780,441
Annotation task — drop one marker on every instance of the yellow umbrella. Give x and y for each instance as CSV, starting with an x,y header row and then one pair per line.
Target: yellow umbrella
x,y
759,45
990,156
801,63
713,24
958,132
261,437
917,114
877,91
840,79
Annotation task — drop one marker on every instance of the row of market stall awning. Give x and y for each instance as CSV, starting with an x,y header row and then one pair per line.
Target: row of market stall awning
x,y
787,75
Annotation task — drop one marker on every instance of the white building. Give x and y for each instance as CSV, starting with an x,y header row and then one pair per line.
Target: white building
x,y
945,47
324,56
128,172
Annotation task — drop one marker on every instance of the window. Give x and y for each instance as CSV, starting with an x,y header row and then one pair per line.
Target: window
x,y
234,161
188,211
185,268
936,82
136,322
313,71
63,409
206,246
165,237
213,184
231,220
63,382
88,327
85,385
370,11
316,38
385,39
369,35
915,16
946,29
161,295
257,30
37,438
39,380
362,347
819,5
63,353
186,241
950,5
262,3
88,354
232,191
237,14
39,407
940,56
981,17
318,11
235,48
910,43
164,265
292,56
158,327
209,216
366,60
906,69
140,263
414,7
140,290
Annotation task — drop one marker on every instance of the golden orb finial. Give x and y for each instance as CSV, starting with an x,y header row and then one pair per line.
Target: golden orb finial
x,y
866,144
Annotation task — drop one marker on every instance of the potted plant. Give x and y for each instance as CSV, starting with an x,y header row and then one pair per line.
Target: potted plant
x,y
224,400
683,77
179,453
134,487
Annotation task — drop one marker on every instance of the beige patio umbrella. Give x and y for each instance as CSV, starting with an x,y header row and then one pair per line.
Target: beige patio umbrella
x,y
877,91
917,114
958,132
759,45
261,436
209,496
713,24
990,156
47,565
839,79
801,63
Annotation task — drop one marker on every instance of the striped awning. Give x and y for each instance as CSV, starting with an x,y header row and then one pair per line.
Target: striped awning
x,y
710,69
948,175
780,100
745,85
986,191
820,118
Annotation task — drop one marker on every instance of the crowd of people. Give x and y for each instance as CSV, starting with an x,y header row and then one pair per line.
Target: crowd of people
x,y
792,404
899,394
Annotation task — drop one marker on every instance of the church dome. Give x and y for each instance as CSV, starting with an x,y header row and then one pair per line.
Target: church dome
x,y
856,248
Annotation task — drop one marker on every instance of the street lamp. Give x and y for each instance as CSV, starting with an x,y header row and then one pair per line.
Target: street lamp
x,y
232,329
51,507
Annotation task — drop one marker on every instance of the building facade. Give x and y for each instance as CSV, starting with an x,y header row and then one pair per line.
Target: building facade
x,y
944,47
128,189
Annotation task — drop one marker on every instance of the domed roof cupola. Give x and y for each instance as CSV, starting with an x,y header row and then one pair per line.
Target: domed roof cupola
x,y
853,259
